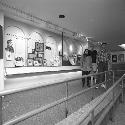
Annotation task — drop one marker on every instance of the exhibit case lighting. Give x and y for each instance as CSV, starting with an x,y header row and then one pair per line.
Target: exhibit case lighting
x,y
70,48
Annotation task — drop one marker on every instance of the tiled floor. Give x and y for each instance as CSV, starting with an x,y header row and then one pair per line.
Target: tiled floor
x,y
119,116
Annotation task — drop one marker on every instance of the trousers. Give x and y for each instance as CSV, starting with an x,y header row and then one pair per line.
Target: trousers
x,y
88,78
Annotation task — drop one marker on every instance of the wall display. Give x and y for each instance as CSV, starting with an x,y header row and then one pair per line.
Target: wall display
x,y
29,62
66,61
51,52
15,47
36,63
73,48
78,59
114,58
73,59
36,49
40,55
31,55
34,39
39,47
40,61
121,58
9,50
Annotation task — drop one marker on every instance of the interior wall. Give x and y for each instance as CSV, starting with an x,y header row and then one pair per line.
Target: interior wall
x,y
1,52
72,47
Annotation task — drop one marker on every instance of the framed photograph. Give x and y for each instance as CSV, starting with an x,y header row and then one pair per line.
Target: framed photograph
x,y
40,55
31,55
121,58
114,58
29,62
36,63
39,47
40,61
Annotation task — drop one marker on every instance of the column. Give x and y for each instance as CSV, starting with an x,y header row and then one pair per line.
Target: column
x,y
1,52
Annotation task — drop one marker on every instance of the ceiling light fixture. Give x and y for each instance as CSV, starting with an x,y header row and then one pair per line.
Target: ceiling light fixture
x,y
122,46
61,16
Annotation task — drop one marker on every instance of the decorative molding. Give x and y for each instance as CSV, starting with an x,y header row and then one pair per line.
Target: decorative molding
x,y
22,70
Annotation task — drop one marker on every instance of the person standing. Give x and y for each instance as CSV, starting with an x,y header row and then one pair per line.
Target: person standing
x,y
94,59
94,63
103,61
86,66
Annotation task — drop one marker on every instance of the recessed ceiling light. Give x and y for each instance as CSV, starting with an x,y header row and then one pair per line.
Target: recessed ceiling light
x,y
122,46
61,16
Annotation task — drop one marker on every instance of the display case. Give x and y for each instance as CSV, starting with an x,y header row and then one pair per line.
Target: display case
x,y
27,46
118,57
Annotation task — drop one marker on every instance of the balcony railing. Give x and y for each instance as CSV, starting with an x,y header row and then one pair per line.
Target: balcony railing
x,y
59,101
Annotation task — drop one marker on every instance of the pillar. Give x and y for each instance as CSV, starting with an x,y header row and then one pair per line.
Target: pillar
x,y
1,52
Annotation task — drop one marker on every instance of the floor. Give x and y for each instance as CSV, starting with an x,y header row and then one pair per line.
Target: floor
x,y
119,116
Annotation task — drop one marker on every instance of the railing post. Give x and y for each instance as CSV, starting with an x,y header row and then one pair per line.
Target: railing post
x,y
92,80
113,79
113,99
105,76
66,103
122,91
0,110
105,79
92,117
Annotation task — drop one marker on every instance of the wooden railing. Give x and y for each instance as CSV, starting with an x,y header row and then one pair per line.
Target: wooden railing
x,y
65,100
87,114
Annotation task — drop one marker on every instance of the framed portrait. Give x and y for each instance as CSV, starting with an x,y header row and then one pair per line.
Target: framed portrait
x,y
39,47
114,58
29,62
35,63
121,58
31,55
39,60
40,55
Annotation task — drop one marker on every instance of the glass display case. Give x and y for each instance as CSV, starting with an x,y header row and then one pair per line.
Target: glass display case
x,y
27,46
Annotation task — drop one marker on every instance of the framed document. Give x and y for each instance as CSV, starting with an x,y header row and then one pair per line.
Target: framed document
x,y
39,47
114,58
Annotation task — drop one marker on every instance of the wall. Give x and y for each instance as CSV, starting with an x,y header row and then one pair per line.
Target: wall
x,y
47,38
1,52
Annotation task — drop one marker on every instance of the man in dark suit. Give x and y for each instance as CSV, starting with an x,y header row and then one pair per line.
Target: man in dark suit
x,y
1,42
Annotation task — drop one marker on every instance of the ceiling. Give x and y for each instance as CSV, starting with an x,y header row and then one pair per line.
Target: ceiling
x,y
104,20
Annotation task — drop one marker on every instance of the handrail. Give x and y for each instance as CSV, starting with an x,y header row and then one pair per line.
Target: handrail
x,y
7,92
48,106
102,98
97,103
43,108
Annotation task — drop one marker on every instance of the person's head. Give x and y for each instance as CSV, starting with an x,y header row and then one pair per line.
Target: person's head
x,y
86,51
103,45
92,47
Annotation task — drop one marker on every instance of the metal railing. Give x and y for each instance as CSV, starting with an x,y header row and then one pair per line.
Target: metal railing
x,y
108,77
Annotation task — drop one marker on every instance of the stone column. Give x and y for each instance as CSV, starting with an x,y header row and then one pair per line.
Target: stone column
x,y
1,52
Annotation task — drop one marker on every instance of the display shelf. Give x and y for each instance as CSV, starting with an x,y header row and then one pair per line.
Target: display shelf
x,y
23,70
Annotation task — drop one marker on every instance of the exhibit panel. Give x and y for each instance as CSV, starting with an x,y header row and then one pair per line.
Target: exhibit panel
x,y
29,46
73,49
15,47
35,50
51,52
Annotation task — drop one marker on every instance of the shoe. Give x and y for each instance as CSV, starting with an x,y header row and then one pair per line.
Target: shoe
x,y
88,85
104,86
96,87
